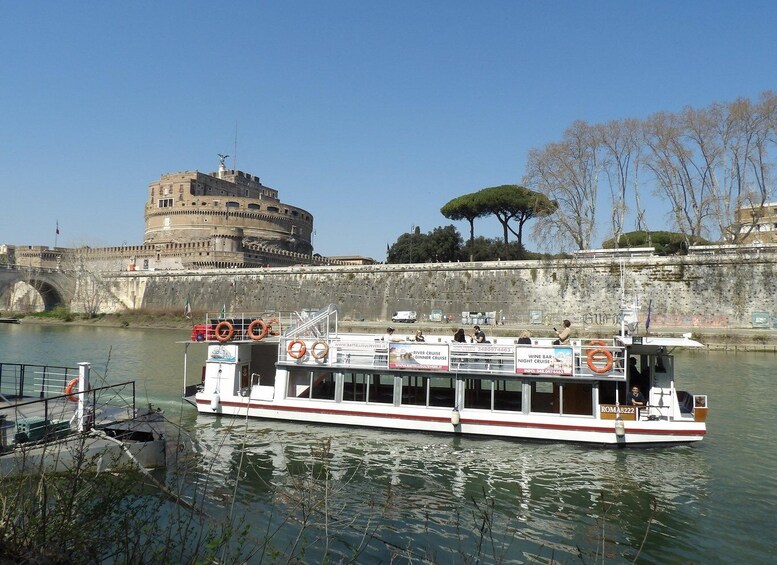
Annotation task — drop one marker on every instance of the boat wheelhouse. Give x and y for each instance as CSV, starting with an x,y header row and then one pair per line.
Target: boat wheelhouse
x,y
312,372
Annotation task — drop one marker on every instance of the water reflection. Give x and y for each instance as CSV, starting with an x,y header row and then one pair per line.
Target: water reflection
x,y
422,495
548,500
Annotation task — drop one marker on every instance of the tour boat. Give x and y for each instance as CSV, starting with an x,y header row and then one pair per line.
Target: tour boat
x,y
311,372
55,419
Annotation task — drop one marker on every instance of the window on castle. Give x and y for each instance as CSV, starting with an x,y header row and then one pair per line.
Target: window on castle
x,y
232,204
165,203
254,207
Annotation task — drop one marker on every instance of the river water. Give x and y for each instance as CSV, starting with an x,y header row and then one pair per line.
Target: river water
x,y
397,497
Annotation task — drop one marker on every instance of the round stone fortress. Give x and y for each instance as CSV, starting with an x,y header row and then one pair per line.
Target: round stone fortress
x,y
230,209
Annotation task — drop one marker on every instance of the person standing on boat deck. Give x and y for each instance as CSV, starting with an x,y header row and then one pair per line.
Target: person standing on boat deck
x,y
563,335
419,336
635,398
478,336
636,377
459,336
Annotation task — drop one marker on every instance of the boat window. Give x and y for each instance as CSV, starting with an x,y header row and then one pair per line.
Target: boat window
x,y
508,395
544,397
414,388
309,384
577,398
381,389
442,391
323,386
355,387
607,392
477,393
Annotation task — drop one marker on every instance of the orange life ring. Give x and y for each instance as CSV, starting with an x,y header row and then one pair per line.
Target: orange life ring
x,y
598,342
319,354
296,353
72,396
224,331
262,334
597,355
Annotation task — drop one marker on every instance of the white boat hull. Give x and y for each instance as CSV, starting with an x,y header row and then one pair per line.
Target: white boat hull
x,y
471,422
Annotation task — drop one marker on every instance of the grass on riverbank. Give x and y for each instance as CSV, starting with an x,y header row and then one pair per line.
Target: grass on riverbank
x,y
138,318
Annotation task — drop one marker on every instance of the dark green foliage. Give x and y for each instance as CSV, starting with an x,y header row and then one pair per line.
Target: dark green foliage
x,y
441,245
665,243
510,202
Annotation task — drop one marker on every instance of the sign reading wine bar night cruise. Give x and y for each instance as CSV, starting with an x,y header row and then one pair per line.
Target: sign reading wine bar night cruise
x,y
544,361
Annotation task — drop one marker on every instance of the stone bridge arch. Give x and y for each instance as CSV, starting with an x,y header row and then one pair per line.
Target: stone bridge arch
x,y
53,287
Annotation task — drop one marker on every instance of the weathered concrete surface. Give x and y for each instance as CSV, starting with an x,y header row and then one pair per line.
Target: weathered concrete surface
x,y
689,291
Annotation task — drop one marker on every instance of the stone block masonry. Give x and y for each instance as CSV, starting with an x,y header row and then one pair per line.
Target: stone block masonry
x,y
688,291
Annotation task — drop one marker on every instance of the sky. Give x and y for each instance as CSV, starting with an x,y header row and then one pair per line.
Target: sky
x,y
369,115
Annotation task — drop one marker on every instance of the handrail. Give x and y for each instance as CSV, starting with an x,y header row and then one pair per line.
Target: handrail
x,y
313,321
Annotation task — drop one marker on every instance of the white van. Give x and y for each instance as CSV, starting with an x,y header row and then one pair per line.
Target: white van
x,y
407,316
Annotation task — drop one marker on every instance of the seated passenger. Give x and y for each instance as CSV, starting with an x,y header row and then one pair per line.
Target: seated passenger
x,y
390,335
419,336
459,336
635,398
525,338
478,336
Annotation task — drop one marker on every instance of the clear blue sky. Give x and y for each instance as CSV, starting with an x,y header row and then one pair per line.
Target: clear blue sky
x,y
370,115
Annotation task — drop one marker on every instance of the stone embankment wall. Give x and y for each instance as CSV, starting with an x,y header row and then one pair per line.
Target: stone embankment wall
x,y
704,291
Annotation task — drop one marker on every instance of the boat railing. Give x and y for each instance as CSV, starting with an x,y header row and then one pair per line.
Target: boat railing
x,y
23,380
319,324
596,360
51,416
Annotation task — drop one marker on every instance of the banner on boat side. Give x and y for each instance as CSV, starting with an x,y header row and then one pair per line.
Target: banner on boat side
x,y
222,353
544,361
418,356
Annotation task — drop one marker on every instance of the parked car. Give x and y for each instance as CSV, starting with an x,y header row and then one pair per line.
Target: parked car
x,y
407,316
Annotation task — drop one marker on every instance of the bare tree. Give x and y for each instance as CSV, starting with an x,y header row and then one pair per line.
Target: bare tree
x,y
622,147
681,175
745,180
567,173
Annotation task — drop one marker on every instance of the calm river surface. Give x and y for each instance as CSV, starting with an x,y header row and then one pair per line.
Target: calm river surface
x,y
425,496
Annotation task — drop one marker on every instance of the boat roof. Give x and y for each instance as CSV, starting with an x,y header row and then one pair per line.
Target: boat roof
x,y
648,343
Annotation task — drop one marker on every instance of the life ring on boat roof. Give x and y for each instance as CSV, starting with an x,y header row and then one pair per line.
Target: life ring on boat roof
x,y
71,392
224,331
294,351
596,356
263,329
599,342
319,349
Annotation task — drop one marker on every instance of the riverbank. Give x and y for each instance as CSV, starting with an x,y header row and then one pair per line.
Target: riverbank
x,y
718,339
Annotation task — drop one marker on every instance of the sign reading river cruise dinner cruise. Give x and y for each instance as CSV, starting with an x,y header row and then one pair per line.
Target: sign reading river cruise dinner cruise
x,y
419,356
544,361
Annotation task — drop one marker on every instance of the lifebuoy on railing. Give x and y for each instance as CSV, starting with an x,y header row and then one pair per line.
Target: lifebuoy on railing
x,y
294,351
263,329
70,391
599,355
598,342
319,349
224,331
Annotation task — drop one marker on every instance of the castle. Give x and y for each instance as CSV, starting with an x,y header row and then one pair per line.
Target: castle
x,y
194,220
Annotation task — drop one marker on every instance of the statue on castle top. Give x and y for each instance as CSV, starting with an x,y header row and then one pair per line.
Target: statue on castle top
x,y
222,158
